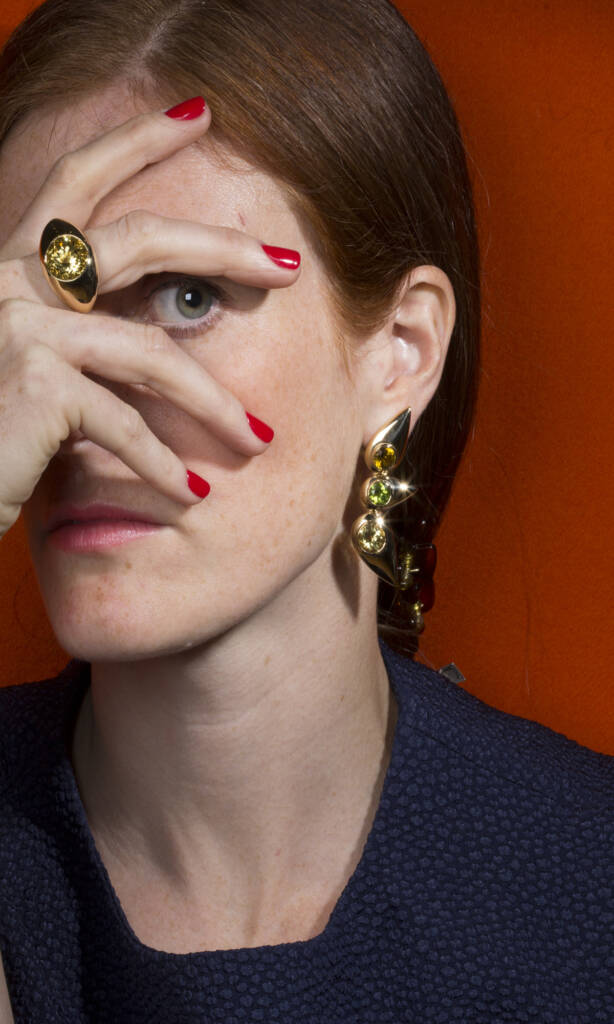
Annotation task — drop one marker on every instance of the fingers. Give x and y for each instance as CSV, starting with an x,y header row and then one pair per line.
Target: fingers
x,y
119,428
145,243
44,400
80,179
140,242
133,353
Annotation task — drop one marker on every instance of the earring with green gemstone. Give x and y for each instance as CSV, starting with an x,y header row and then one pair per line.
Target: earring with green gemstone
x,y
372,537
407,567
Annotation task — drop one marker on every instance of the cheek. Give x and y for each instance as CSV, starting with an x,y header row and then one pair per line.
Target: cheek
x,y
285,365
299,388
291,498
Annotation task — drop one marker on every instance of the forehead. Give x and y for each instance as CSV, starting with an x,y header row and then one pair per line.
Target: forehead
x,y
193,183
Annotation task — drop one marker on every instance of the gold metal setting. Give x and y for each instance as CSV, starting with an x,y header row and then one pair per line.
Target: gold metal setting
x,y
69,264
372,537
416,619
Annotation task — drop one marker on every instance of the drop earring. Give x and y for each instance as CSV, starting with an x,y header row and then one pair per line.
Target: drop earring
x,y
404,566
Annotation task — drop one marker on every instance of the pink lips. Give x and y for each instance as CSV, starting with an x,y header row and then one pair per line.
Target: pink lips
x,y
71,513
96,534
73,527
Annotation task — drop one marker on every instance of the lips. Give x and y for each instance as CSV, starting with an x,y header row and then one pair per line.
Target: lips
x,y
96,512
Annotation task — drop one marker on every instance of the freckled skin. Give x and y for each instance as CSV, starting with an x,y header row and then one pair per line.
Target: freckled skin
x,y
275,358
221,646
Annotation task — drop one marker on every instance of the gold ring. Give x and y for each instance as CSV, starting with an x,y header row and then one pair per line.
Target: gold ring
x,y
69,264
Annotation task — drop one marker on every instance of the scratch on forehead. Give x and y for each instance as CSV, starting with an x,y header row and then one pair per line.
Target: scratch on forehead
x,y
241,218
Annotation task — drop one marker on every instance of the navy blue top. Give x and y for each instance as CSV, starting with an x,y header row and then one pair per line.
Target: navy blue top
x,y
484,892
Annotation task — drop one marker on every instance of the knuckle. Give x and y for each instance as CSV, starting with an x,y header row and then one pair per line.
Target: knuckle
x,y
132,424
137,227
67,172
64,389
141,131
12,313
233,241
38,374
154,340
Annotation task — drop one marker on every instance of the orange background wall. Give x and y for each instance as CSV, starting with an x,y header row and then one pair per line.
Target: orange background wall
x,y
525,583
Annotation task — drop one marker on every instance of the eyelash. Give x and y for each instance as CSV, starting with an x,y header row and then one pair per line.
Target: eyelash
x,y
203,322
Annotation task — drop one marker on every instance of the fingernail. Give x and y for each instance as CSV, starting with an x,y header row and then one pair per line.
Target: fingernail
x,y
187,110
260,429
197,484
289,259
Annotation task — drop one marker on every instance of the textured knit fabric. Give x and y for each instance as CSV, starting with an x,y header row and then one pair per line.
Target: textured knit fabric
x,y
484,892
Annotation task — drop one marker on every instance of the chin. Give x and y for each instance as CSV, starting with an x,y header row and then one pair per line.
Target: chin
x,y
99,630
91,642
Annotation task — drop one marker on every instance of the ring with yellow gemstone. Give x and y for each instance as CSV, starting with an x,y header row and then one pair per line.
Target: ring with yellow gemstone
x,y
69,264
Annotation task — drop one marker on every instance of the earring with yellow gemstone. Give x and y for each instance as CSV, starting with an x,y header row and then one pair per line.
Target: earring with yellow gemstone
x,y
405,566
372,537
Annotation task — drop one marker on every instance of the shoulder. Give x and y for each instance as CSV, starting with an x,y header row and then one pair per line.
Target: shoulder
x,y
34,722
33,718
521,753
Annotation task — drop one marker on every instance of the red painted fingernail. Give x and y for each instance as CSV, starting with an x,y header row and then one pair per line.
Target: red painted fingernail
x,y
187,110
260,429
289,259
197,484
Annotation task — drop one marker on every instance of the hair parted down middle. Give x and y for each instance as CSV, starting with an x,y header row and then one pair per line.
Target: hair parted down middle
x,y
337,100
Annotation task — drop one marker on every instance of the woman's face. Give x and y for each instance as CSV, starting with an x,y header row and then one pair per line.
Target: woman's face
x,y
269,518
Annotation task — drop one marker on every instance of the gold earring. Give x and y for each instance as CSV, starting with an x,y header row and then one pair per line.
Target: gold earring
x,y
405,566
372,536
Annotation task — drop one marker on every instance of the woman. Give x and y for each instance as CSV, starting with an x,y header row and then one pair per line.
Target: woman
x,y
239,802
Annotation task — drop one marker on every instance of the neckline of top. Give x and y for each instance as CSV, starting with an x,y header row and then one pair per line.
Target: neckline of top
x,y
80,671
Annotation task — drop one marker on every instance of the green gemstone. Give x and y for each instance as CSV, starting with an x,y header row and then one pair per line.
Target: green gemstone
x,y
371,537
384,457
67,257
379,493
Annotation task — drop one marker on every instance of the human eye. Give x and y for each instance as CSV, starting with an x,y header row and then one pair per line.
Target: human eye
x,y
175,303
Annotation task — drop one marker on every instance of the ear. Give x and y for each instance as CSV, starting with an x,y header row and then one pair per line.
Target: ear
x,y
404,360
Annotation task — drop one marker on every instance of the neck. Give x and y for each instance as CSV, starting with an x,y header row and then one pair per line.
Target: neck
x,y
256,758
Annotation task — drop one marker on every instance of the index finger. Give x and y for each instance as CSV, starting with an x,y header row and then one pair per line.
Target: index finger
x,y
81,178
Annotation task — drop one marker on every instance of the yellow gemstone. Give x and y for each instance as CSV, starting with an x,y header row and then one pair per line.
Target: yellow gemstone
x,y
371,537
379,493
384,457
67,257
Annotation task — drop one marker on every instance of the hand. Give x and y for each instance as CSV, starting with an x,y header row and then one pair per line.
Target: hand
x,y
46,347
